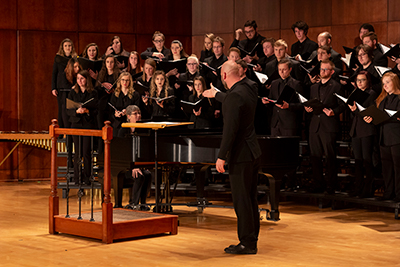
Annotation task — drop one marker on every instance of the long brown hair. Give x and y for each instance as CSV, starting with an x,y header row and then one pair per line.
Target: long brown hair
x,y
89,85
396,84
69,69
118,90
103,71
153,86
150,62
85,55
138,68
203,83
61,48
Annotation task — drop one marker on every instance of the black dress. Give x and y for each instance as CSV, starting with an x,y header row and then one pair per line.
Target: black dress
x,y
122,102
204,120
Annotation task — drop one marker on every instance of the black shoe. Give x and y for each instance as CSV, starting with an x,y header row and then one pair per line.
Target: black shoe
x,y
240,249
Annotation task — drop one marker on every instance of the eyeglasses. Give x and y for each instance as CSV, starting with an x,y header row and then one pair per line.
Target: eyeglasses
x,y
216,47
191,64
247,32
325,69
362,54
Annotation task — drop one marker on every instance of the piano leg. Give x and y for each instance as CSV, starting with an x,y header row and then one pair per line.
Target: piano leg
x,y
274,193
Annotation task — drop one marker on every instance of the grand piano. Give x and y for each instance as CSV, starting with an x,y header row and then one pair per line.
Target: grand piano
x,y
280,155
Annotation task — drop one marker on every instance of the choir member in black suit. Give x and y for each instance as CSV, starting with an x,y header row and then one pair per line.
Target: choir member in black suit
x,y
389,136
185,90
324,128
304,46
134,63
83,118
371,39
108,76
286,117
158,50
58,79
207,51
123,96
362,139
268,54
325,38
116,49
280,49
140,178
253,39
240,148
201,118
159,88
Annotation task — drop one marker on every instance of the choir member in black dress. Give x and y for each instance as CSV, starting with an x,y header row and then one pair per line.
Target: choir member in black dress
x,y
389,136
186,89
304,46
253,38
108,75
134,63
83,118
364,29
207,51
158,50
116,49
324,128
123,96
365,57
91,52
371,39
177,52
140,177
203,117
362,142
325,38
268,54
58,79
159,88
149,68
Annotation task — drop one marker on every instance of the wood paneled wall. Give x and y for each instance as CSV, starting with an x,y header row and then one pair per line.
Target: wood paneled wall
x,y
30,34
342,18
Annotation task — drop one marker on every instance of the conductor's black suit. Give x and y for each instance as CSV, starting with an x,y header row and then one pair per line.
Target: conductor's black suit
x,y
240,148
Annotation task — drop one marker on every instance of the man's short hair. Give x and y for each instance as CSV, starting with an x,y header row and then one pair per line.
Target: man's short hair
x,y
132,108
233,49
269,40
327,61
251,23
286,61
218,39
327,48
367,26
242,63
280,42
371,35
326,35
301,25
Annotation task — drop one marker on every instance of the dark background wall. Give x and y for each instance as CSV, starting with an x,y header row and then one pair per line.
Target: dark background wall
x,y
31,31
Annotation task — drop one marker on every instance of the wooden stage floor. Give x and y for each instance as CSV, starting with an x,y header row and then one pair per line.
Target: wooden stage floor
x,y
305,236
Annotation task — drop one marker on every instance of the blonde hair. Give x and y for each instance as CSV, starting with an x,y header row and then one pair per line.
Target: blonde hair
x,y
61,48
280,42
396,83
153,86
131,90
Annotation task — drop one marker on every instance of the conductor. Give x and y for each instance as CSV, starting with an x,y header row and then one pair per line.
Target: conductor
x,y
240,148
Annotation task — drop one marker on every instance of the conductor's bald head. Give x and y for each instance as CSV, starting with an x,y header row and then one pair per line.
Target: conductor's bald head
x,y
230,74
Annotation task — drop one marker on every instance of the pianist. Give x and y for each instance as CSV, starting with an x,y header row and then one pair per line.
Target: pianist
x,y
138,177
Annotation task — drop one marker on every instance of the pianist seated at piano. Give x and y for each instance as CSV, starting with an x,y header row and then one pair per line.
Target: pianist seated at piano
x,y
202,117
139,178
123,96
160,103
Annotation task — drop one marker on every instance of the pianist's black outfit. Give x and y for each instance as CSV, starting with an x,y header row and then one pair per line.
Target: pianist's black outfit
x,y
239,146
363,138
303,49
323,133
390,149
150,50
121,102
83,121
249,44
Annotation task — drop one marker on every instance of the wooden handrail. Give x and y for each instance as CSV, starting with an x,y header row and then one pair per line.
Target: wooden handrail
x,y
106,133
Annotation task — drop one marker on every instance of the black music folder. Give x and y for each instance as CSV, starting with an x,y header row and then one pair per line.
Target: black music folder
x,y
315,104
265,79
158,99
167,65
188,107
140,88
313,71
393,51
286,95
86,64
123,59
137,75
247,53
378,116
358,96
349,50
184,82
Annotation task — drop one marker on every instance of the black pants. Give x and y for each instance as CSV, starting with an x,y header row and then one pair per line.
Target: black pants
x,y
243,177
391,170
87,159
140,186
